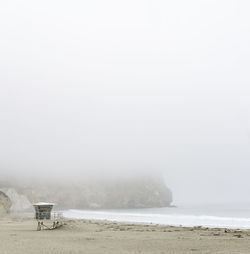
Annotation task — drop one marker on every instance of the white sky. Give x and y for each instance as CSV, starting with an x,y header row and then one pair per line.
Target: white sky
x,y
104,86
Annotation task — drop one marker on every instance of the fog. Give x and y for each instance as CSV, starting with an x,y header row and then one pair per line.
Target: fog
x,y
110,88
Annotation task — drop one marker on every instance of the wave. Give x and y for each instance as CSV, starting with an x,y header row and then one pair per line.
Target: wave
x,y
161,219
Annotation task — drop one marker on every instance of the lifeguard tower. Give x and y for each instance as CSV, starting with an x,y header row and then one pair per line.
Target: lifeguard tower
x,y
43,212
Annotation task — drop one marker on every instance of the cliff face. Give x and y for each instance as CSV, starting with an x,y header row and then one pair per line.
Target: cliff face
x,y
140,193
90,194
19,202
5,203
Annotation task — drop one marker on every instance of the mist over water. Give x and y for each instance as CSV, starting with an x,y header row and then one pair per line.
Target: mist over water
x,y
111,90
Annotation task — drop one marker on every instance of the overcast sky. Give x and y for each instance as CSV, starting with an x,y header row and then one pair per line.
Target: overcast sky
x,y
120,86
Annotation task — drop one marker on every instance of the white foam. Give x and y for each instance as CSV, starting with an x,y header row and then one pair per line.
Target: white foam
x,y
162,219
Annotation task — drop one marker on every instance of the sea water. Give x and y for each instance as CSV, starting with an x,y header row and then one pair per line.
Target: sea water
x,y
220,216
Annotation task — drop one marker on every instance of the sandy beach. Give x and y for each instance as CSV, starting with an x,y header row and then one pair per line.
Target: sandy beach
x,y
19,236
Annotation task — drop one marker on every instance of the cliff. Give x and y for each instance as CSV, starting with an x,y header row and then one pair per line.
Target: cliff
x,y
137,193
5,203
19,202
90,194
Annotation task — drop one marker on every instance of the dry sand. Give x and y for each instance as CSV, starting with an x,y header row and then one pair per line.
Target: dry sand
x,y
80,236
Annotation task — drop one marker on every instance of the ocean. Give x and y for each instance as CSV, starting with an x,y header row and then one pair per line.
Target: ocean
x,y
214,216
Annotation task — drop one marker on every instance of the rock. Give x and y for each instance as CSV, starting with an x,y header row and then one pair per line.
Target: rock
x,y
19,202
5,203
238,235
117,194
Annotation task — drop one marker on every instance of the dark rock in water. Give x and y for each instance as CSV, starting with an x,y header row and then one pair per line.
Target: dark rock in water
x,y
5,203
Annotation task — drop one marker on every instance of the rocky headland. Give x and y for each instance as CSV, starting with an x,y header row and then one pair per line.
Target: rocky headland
x,y
91,194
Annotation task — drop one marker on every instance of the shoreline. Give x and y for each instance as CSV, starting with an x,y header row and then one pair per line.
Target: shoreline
x,y
19,236
183,220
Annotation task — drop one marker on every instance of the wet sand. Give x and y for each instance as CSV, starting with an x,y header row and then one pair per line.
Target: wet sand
x,y
18,235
